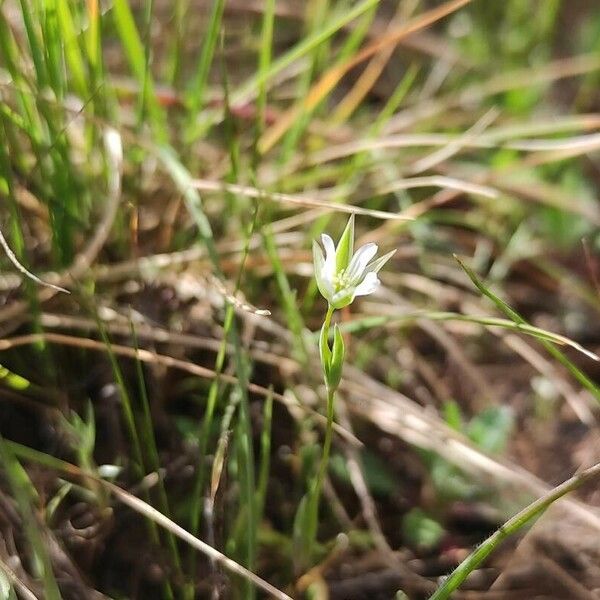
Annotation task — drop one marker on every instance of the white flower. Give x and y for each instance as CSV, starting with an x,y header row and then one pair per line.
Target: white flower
x,y
342,275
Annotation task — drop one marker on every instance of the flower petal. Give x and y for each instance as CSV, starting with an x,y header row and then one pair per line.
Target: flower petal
x,y
330,269
368,286
360,260
324,285
318,258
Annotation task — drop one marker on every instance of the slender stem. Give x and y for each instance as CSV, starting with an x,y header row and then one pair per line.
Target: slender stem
x,y
315,491
326,445
329,427
318,481
324,344
457,577
328,316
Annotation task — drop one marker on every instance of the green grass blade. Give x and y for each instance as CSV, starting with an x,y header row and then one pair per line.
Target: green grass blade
x,y
264,63
184,182
265,457
206,426
73,53
193,202
247,484
316,57
10,54
197,90
52,44
135,52
180,11
512,526
366,323
287,296
147,86
302,48
150,449
126,403
92,35
131,426
25,497
147,511
35,44
577,373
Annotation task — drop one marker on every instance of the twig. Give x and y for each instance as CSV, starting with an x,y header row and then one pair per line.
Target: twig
x,y
15,261
251,192
167,361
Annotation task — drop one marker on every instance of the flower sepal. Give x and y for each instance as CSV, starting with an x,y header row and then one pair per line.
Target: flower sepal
x,y
332,359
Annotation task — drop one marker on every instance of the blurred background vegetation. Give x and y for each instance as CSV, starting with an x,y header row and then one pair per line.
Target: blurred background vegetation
x,y
170,163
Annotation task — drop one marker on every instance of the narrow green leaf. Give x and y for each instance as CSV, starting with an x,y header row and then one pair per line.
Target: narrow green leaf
x,y
34,43
73,54
210,38
26,497
512,526
324,350
53,45
265,456
520,321
303,47
337,359
135,52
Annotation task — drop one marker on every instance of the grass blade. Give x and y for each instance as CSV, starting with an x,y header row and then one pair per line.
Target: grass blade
x,y
25,497
579,375
147,511
303,47
135,51
512,526
332,77
73,54
195,96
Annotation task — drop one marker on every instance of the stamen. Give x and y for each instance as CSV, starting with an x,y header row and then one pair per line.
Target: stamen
x,y
341,280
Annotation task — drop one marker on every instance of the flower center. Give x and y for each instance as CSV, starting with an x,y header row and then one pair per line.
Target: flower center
x,y
341,280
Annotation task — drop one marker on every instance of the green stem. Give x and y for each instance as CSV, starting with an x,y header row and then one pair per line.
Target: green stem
x,y
326,446
314,494
329,427
328,316
318,482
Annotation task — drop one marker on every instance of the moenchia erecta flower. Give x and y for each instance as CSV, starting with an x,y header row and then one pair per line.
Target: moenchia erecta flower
x,y
342,275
